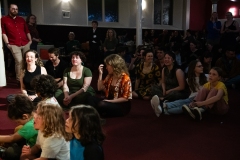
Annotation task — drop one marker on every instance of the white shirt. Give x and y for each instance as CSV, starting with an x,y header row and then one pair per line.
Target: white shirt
x,y
53,147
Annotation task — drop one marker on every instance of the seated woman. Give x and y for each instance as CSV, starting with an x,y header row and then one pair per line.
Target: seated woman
x,y
196,79
52,139
147,73
76,82
173,83
45,87
213,97
117,87
20,111
31,66
84,124
110,42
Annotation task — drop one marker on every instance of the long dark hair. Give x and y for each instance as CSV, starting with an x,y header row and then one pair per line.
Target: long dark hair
x,y
191,77
175,65
87,119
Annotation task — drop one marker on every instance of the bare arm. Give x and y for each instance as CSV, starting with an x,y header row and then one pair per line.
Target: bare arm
x,y
65,87
5,38
29,153
10,138
29,37
163,83
100,84
86,84
222,29
22,86
181,81
43,71
137,82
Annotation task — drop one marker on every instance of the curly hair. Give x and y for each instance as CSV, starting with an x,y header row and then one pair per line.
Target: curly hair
x,y
38,62
53,120
45,85
19,106
86,121
80,54
54,51
114,33
28,18
118,64
191,76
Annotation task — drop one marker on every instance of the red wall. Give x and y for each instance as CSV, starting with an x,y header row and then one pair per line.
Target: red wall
x,y
224,5
200,12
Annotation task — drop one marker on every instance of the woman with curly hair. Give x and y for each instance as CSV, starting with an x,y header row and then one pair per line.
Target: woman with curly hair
x,y
76,82
45,87
52,138
84,124
31,66
117,87
147,73
196,79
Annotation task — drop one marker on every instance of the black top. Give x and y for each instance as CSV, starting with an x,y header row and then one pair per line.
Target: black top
x,y
28,76
56,72
94,36
93,151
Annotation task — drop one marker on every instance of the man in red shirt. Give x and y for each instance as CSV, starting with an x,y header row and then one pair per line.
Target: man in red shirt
x,y
16,36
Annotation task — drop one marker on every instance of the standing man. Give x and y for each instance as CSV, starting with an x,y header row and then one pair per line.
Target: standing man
x,y
94,38
16,36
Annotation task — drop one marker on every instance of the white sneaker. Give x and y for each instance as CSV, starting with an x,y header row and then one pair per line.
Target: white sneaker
x,y
155,103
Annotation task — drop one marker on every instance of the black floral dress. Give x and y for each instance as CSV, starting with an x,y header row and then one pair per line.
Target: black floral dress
x,y
146,80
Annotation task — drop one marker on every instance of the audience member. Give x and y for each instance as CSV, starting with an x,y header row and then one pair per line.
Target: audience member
x,y
213,97
206,61
55,66
72,44
20,111
230,66
84,124
117,87
45,87
52,139
32,66
121,51
230,31
213,29
16,36
32,27
147,73
110,43
76,82
160,58
172,86
196,79
94,40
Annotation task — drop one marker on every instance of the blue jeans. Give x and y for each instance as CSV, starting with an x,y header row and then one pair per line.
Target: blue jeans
x,y
175,107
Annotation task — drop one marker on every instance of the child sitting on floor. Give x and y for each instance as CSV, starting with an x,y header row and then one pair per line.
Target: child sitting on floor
x,y
212,97
52,138
84,124
20,111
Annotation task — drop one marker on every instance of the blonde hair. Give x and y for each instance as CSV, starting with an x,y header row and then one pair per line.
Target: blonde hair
x,y
38,62
53,120
114,34
118,64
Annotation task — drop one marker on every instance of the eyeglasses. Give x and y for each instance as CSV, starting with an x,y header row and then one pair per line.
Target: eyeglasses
x,y
200,66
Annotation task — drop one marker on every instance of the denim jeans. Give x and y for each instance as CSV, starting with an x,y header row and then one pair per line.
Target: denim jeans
x,y
175,107
234,80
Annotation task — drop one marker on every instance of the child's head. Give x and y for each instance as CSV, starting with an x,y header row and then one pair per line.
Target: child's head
x,y
215,74
84,122
44,85
20,109
49,119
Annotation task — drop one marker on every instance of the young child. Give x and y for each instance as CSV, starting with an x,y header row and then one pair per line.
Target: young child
x,y
52,138
212,97
45,87
84,124
20,111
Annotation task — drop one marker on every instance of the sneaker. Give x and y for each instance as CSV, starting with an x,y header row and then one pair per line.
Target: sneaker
x,y
155,101
188,111
197,113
